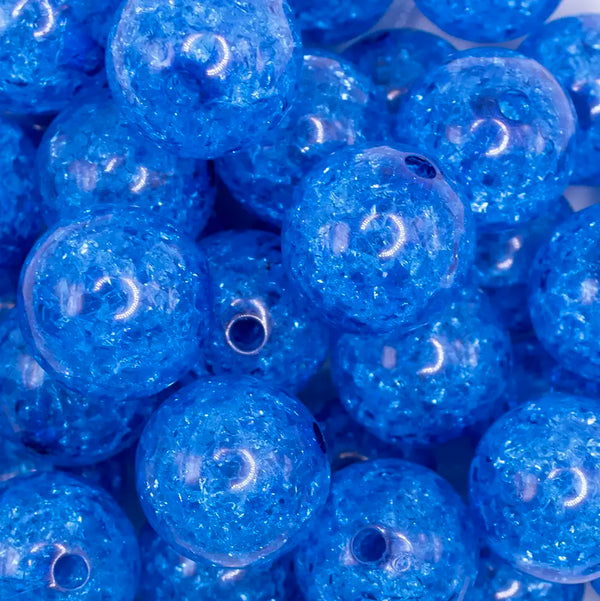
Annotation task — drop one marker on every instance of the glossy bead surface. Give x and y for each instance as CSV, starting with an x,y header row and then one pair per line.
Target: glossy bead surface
x,y
89,155
260,326
189,74
115,304
570,49
501,126
230,470
61,538
390,529
377,234
431,383
487,20
333,109
535,488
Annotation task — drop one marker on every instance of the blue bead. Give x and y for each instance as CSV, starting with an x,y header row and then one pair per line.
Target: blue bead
x,y
115,303
570,49
501,126
230,470
17,460
334,108
564,294
260,327
167,576
535,488
89,155
487,20
390,530
429,384
376,235
205,78
61,538
20,220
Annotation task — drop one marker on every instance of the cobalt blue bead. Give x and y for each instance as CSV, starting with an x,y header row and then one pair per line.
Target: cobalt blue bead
x,y
390,530
206,78
116,303
166,576
376,235
487,20
535,488
61,538
17,460
230,470
431,383
89,156
570,49
260,326
333,109
501,126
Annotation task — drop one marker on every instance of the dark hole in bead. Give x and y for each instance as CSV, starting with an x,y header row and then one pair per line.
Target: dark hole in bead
x,y
319,437
369,545
246,334
420,167
71,572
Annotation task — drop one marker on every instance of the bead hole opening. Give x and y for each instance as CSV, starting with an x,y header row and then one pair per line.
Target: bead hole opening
x,y
246,334
369,545
71,572
421,167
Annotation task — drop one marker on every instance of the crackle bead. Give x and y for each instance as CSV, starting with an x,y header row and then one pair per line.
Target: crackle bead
x,y
189,73
487,20
166,575
501,126
535,488
90,155
570,49
230,470
115,304
334,108
260,326
376,235
61,538
431,383
390,530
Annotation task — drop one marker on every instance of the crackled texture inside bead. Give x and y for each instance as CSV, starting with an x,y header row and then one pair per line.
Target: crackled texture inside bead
x,y
260,326
570,49
230,470
535,483
190,73
61,538
90,156
501,126
390,529
377,234
334,108
115,303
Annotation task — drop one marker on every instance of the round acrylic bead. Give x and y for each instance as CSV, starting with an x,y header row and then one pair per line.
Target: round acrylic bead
x,y
431,383
229,470
204,78
535,488
390,530
501,126
260,326
90,156
487,20
61,538
115,303
570,49
376,235
333,109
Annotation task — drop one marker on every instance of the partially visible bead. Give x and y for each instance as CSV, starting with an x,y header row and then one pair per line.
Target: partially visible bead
x,y
532,371
17,460
511,304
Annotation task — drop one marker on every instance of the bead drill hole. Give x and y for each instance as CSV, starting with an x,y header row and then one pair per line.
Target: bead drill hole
x,y
420,167
246,334
369,545
71,572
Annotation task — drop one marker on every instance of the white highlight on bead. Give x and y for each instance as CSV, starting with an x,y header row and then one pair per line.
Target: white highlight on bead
x,y
439,359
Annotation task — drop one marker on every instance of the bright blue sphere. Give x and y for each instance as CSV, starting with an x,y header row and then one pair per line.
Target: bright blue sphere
x,y
89,156
535,488
487,20
230,471
115,303
570,49
61,538
333,109
501,126
390,530
205,78
260,326
375,236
